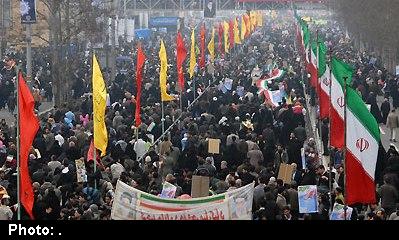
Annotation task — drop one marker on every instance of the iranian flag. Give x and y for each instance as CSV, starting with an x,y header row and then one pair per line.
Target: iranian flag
x,y
275,75
339,71
362,145
325,81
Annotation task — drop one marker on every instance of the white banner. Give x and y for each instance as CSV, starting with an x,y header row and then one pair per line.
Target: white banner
x,y
132,204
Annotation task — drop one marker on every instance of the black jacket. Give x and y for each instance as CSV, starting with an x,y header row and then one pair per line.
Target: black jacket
x,y
271,210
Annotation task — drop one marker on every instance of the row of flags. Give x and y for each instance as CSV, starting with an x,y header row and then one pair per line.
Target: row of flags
x,y
29,124
348,114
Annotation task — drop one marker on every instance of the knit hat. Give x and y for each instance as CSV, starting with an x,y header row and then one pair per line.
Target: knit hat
x,y
148,159
272,180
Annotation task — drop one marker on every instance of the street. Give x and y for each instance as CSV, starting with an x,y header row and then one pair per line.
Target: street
x,y
10,118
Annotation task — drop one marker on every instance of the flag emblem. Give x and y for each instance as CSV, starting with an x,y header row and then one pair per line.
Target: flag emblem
x,y
341,102
362,144
326,82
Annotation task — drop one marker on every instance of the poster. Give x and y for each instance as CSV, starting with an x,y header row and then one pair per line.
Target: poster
x,y
210,9
28,11
199,186
132,204
338,212
168,190
307,198
213,145
80,171
285,172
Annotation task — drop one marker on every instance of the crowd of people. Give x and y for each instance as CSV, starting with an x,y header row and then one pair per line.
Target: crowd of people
x,y
255,137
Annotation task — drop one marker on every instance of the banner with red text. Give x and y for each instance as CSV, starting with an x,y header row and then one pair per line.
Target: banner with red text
x,y
132,204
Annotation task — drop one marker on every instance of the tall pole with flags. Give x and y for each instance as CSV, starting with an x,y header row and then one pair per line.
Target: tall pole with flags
x,y
100,134
318,89
329,130
165,97
193,60
27,127
18,156
181,56
344,149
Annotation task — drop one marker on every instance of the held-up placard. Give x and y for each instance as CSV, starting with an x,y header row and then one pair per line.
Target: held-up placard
x,y
285,172
213,146
199,186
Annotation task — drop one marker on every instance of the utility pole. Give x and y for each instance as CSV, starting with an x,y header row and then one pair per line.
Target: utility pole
x,y
124,20
113,39
29,54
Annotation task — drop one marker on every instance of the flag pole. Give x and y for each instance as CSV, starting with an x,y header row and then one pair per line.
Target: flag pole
x,y
18,153
181,99
194,86
163,118
94,145
95,164
329,112
296,24
344,150
318,91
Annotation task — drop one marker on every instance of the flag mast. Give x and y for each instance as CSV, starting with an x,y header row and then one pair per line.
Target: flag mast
x,y
344,150
18,153
329,127
94,146
318,91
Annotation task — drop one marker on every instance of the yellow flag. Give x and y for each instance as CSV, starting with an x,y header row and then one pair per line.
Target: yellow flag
x,y
253,19
163,74
243,29
237,39
193,60
99,106
226,36
211,46
260,19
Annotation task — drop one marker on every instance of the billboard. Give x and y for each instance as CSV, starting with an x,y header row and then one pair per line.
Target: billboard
x,y
163,22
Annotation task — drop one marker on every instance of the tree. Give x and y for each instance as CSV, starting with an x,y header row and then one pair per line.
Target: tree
x,y
71,22
373,22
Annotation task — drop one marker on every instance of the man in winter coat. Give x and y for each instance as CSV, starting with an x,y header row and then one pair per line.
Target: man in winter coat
x,y
392,124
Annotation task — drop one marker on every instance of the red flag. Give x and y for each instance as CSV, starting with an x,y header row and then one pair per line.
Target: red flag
x,y
202,60
221,50
181,57
139,75
231,33
247,22
28,125
90,155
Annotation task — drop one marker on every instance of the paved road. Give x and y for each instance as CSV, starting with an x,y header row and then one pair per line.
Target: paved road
x,y
10,117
